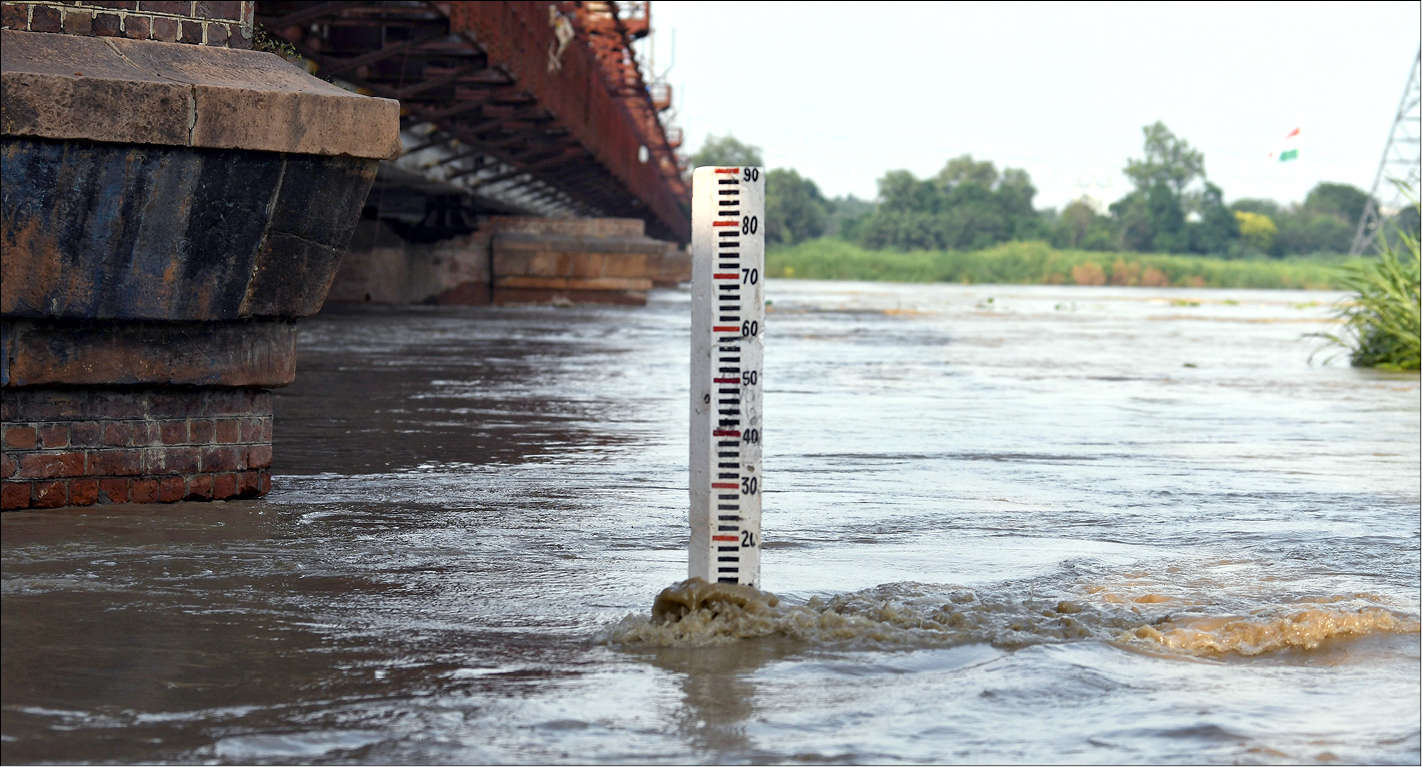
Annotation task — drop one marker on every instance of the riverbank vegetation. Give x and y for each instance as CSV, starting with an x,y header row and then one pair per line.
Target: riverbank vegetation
x,y
1382,321
1039,263
971,205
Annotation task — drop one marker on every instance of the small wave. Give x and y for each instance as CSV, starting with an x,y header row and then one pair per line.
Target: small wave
x,y
695,613
1256,635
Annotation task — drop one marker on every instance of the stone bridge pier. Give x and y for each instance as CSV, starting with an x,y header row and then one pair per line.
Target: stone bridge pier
x,y
171,204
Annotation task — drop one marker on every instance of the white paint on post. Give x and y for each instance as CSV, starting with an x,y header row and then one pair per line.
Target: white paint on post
x,y
727,350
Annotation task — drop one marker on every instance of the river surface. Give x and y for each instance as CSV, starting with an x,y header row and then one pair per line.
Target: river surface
x,y
1005,524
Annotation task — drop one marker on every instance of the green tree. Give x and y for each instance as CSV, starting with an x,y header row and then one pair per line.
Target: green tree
x,y
847,216
1256,205
1072,224
967,205
1217,228
1407,221
1256,230
794,208
1303,231
1167,219
1133,222
1344,201
1168,160
726,150
965,170
900,190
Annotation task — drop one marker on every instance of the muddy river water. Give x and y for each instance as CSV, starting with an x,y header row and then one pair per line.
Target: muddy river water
x,y
1004,524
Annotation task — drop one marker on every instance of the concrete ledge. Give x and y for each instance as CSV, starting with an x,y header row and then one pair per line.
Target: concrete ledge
x,y
150,353
144,92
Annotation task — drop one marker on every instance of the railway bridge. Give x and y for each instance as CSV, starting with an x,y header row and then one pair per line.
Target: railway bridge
x,y
176,197
534,161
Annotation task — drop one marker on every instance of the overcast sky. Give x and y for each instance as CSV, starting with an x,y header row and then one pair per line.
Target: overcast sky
x,y
842,92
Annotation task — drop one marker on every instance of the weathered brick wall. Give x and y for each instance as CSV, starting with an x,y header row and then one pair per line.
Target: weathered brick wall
x,y
225,23
80,447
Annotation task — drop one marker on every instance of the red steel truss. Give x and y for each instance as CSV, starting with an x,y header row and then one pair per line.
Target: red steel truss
x,y
540,105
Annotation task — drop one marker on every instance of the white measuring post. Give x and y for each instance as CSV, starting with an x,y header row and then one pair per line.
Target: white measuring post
x,y
727,327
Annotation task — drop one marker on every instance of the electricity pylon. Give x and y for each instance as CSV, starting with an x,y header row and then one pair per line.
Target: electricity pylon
x,y
1399,163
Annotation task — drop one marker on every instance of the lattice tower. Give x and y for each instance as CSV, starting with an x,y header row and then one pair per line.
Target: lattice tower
x,y
1399,164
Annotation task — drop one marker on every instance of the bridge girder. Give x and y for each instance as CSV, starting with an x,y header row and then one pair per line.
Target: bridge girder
x,y
510,105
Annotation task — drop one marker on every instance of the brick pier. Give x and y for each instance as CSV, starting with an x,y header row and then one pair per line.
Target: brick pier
x,y
158,445
172,204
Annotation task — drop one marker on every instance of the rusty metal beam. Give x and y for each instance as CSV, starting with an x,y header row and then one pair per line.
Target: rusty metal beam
x,y
341,66
517,36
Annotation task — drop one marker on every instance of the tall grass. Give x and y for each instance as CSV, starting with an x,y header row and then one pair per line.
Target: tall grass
x,y
1039,263
1381,325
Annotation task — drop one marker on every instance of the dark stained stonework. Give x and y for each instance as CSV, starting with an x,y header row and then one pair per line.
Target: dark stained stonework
x,y
169,233
102,353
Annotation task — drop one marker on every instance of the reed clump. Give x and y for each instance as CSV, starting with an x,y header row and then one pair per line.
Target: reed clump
x,y
1381,325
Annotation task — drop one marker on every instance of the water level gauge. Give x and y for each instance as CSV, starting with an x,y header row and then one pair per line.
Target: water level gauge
x,y
727,328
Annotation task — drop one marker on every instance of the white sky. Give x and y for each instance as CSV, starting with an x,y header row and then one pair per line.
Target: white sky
x,y
843,92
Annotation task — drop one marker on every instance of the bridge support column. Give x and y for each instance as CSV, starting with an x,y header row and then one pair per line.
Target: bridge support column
x,y
168,212
509,260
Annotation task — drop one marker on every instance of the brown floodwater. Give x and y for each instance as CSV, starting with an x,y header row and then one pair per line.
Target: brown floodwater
x,y
1002,524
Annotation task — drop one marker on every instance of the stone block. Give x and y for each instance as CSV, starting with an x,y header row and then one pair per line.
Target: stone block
x,y
231,98
14,495
137,27
14,16
199,488
86,434
259,456
228,430
53,435
249,484
224,486
20,437
143,491
78,22
107,25
83,492
165,30
171,489
225,10
200,431
120,434
50,495
190,32
113,490
43,18
174,432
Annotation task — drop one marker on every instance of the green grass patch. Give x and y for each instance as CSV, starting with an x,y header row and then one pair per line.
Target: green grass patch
x,y
1036,263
